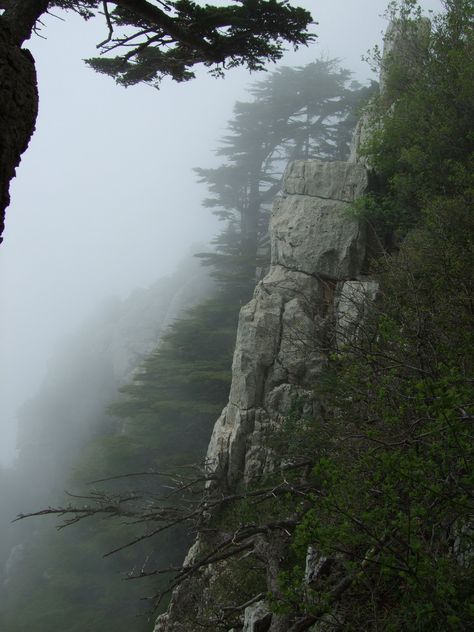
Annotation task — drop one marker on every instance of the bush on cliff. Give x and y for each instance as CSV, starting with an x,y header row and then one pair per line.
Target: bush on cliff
x,y
392,500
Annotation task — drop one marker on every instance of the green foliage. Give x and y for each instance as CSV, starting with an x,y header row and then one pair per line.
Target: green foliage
x,y
393,477
171,39
170,407
394,453
424,144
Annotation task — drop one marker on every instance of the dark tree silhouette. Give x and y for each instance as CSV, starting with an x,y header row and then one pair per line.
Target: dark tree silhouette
x,y
296,113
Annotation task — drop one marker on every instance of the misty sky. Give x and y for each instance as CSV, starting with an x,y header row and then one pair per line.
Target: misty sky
x,y
105,199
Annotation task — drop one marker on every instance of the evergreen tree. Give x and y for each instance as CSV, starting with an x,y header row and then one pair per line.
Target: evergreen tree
x,y
154,39
296,113
423,147
170,407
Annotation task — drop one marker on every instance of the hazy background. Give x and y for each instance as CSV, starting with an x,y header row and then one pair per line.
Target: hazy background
x,y
105,199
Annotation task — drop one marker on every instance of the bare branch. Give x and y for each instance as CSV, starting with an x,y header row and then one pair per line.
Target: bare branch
x,y
109,25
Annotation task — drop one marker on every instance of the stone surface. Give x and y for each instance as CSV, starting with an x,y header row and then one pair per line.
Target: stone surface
x,y
339,181
404,43
364,129
280,336
316,565
463,545
317,235
276,353
400,44
282,343
257,617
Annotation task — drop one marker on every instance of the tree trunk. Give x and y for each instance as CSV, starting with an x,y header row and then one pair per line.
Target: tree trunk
x,y
18,89
249,227
18,109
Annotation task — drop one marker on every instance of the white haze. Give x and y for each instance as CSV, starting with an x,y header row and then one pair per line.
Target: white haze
x,y
105,199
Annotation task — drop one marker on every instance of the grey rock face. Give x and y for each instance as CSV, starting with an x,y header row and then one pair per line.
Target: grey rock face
x,y
404,43
275,349
314,564
341,181
280,347
312,230
318,252
257,617
366,126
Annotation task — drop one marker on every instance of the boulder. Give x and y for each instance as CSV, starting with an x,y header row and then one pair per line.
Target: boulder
x,y
317,234
339,181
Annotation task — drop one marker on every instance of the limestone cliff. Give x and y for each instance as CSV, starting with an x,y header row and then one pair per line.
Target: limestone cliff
x,y
311,294
310,303
281,340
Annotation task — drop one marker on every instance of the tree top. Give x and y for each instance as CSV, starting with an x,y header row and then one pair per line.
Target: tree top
x,y
149,39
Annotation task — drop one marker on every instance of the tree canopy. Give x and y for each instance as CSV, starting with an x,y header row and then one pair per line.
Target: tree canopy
x,y
146,40
295,113
169,37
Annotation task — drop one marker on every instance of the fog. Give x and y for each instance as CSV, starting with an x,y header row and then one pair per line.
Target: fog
x,y
105,199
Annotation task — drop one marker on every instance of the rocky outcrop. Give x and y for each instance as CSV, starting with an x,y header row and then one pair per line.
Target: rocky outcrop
x,y
257,617
405,44
315,288
313,301
317,247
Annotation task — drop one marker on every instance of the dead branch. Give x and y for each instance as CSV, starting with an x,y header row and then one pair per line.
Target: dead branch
x,y
109,25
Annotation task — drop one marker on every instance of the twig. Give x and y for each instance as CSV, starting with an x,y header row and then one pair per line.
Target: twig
x,y
109,24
